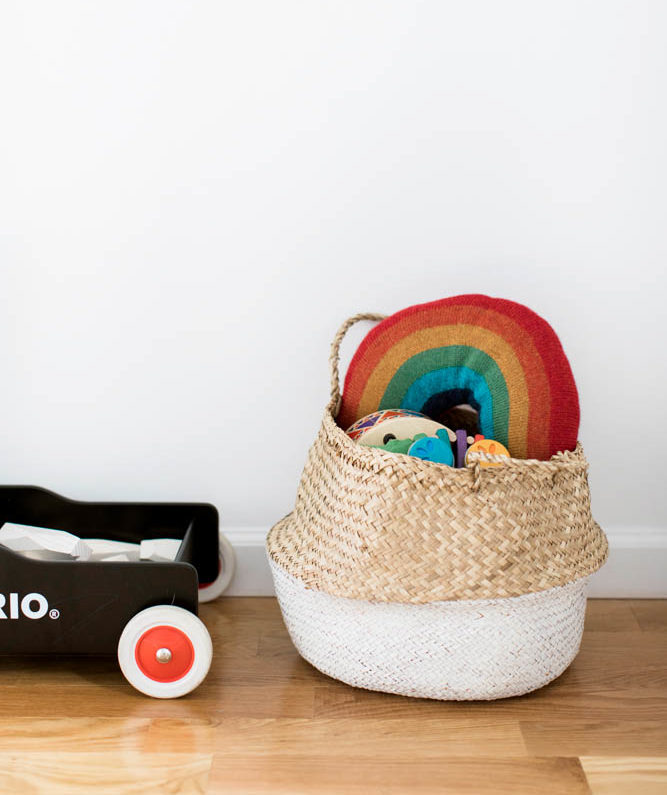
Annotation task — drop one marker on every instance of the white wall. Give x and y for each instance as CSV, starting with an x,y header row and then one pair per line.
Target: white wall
x,y
194,195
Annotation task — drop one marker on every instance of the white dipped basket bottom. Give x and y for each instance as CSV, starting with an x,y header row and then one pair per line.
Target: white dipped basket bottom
x,y
410,577
453,650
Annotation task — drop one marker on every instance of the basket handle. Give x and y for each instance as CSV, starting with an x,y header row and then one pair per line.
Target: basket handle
x,y
334,356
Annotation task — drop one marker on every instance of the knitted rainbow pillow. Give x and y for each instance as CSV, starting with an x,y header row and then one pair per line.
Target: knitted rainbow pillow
x,y
496,355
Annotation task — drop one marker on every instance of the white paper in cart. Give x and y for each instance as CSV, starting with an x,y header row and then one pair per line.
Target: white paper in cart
x,y
43,543
160,548
105,549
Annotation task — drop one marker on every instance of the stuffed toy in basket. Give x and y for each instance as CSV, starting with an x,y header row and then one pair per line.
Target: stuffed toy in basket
x,y
404,575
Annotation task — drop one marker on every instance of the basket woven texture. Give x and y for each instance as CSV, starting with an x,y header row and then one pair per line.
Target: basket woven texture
x,y
383,527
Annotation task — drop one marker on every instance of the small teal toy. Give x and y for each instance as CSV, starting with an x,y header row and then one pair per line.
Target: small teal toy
x,y
436,448
433,448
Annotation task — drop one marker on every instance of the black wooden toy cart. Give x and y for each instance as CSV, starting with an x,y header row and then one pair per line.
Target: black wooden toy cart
x,y
145,611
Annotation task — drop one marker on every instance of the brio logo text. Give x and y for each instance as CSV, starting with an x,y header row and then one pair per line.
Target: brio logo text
x,y
32,605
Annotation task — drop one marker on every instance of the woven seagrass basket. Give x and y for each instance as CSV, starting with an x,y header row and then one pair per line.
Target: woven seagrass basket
x,y
411,577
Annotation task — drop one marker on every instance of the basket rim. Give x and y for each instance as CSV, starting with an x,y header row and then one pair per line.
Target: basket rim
x,y
376,458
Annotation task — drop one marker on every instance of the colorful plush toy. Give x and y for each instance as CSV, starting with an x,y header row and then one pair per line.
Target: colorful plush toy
x,y
494,355
436,448
380,426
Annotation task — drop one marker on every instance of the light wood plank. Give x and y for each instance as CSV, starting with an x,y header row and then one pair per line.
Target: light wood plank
x,y
171,735
406,737
314,775
626,775
106,773
579,738
64,734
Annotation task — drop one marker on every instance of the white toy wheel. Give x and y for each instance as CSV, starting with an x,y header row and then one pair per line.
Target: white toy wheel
x,y
165,651
226,565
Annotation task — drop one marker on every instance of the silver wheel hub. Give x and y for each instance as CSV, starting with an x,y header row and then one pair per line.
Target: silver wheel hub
x,y
163,655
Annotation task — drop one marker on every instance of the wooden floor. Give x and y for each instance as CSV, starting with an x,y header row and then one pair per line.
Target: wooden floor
x,y
265,721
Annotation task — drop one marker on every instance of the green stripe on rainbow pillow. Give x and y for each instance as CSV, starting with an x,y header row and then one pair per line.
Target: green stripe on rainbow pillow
x,y
497,355
456,371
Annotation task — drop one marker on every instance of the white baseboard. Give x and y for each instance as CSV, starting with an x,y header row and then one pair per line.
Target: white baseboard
x,y
252,577
637,565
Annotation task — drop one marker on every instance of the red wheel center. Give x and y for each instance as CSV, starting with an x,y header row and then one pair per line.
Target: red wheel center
x,y
176,642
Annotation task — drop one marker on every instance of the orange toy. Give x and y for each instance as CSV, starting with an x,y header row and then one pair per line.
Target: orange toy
x,y
490,446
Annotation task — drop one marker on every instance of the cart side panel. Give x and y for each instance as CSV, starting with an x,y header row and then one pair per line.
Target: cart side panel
x,y
69,607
